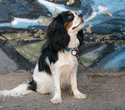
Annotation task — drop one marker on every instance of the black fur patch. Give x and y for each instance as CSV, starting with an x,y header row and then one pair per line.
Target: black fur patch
x,y
49,53
58,39
57,35
32,85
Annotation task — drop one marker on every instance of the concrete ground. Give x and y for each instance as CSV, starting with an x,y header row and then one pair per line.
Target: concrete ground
x,y
103,94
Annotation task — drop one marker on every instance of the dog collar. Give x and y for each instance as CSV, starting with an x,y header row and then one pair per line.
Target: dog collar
x,y
74,51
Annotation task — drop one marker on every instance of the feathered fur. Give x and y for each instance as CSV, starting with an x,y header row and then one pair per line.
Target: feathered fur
x,y
57,34
56,67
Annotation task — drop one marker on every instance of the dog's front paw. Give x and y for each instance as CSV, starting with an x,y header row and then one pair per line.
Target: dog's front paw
x,y
56,100
80,95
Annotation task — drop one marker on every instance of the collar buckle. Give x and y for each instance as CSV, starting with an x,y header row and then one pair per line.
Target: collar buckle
x,y
74,51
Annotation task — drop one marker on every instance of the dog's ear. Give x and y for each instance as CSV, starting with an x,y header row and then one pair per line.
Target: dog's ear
x,y
57,34
80,36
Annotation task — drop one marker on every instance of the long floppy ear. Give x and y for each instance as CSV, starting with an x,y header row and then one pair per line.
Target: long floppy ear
x,y
57,34
80,36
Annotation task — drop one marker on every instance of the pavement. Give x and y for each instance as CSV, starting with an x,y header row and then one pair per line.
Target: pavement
x,y
102,94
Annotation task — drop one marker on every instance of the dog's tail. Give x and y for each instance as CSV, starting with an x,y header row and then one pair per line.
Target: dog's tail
x,y
22,89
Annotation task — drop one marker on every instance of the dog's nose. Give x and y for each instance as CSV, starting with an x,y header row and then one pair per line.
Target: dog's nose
x,y
80,15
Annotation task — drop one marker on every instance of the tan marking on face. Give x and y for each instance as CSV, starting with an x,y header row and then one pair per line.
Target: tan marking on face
x,y
68,26
69,13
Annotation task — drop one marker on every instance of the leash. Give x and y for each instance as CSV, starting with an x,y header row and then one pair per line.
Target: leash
x,y
74,52
98,75
80,63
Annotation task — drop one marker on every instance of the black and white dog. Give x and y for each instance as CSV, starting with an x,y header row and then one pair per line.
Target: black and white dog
x,y
56,66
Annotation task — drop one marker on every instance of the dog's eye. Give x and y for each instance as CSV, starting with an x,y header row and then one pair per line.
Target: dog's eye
x,y
70,16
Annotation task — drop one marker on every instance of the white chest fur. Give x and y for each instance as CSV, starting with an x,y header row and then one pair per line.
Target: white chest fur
x,y
66,65
66,58
74,42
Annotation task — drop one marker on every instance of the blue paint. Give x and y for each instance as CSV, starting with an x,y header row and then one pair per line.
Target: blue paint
x,y
10,8
60,7
5,24
111,5
24,23
114,60
117,63
110,24
102,23
115,22
32,22
116,8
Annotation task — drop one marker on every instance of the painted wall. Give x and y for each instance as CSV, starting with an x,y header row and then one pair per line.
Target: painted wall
x,y
23,24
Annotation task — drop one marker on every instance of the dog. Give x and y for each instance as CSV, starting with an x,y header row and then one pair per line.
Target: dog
x,y
57,64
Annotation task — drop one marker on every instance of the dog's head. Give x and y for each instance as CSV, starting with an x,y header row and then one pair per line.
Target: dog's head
x,y
59,29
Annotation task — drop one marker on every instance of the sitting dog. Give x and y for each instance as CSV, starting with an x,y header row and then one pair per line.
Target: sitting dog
x,y
57,64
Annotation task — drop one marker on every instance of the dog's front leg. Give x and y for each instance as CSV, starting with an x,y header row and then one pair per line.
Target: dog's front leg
x,y
76,92
57,90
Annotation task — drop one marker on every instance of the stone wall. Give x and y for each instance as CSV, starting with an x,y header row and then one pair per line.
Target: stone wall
x,y
23,25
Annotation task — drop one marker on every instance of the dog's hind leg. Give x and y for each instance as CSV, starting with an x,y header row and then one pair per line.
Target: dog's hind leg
x,y
43,82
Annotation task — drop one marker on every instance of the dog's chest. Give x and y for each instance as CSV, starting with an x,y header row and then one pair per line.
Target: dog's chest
x,y
67,61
